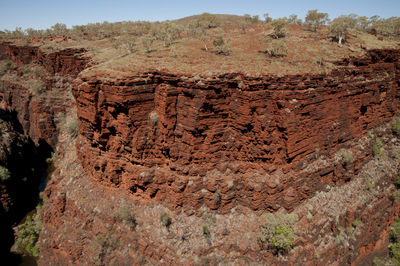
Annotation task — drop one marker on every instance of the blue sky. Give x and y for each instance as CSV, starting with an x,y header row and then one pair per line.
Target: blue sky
x,y
39,14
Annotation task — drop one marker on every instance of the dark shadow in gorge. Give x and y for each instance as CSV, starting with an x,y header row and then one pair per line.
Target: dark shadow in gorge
x,y
27,167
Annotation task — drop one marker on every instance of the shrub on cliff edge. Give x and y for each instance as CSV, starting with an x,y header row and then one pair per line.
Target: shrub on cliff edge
x,y
278,232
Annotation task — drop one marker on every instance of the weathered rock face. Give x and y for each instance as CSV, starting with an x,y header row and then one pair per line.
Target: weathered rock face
x,y
67,61
29,129
224,150
154,133
38,113
84,227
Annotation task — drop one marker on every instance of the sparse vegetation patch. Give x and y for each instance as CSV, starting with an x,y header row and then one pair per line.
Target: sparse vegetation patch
x,y
28,234
278,232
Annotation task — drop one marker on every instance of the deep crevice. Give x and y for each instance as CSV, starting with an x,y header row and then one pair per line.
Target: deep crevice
x,y
27,167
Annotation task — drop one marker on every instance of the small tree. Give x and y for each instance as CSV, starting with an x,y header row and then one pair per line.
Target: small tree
x,y
166,32
267,18
207,20
276,48
341,25
203,36
199,31
126,42
147,41
363,23
279,28
294,20
316,20
18,33
59,29
247,20
221,46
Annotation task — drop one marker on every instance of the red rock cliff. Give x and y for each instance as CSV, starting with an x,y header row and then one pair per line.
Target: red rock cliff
x,y
37,113
228,143
157,134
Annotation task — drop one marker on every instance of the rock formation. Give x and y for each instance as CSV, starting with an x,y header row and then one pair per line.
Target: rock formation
x,y
213,154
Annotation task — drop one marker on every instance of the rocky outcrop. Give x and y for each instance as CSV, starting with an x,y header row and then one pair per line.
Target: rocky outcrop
x,y
169,138
39,113
66,62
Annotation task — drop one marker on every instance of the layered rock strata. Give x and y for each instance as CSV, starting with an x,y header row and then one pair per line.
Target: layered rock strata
x,y
167,137
215,152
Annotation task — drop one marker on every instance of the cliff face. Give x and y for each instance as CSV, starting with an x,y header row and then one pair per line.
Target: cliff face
x,y
38,113
30,126
212,153
152,134
65,62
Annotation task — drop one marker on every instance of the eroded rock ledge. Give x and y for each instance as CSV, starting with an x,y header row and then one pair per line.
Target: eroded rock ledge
x,y
180,140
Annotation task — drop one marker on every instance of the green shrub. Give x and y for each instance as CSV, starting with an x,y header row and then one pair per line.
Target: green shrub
x,y
37,69
282,238
377,148
165,219
394,232
28,235
4,174
378,262
398,180
279,28
51,161
396,127
395,251
276,48
129,43
347,158
73,129
369,185
206,231
147,42
356,223
221,46
315,20
126,216
278,231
